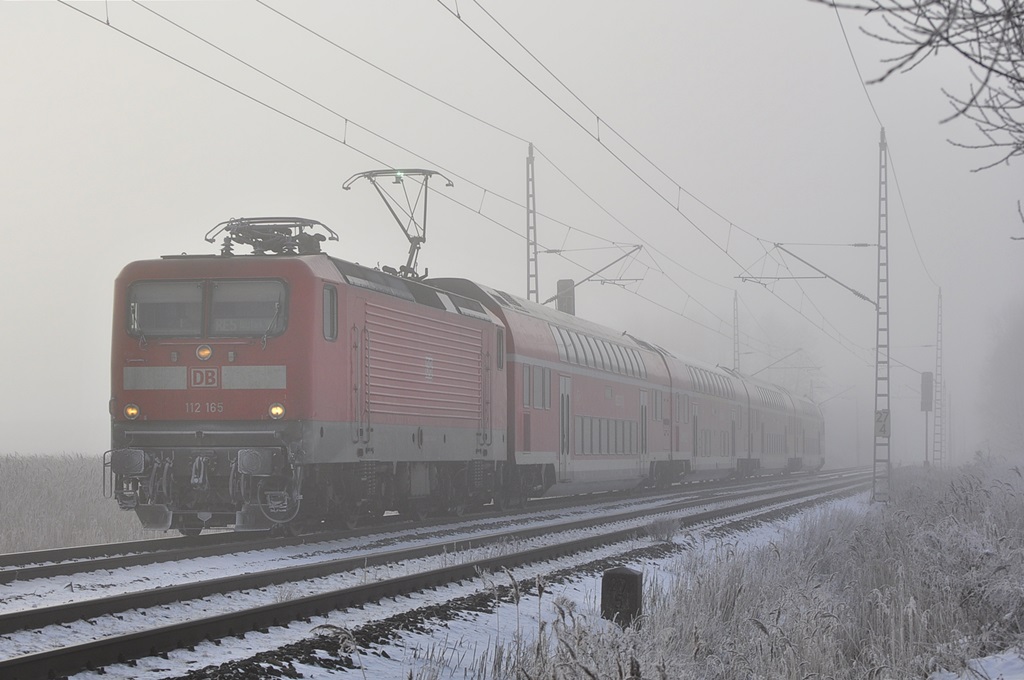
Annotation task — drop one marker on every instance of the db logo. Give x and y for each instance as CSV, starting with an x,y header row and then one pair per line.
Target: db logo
x,y
203,377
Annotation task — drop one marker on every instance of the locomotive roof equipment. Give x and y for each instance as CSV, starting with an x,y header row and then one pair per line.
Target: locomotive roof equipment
x,y
280,235
415,231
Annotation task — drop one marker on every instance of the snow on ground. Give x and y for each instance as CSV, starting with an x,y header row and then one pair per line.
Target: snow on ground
x,y
456,645
1008,665
20,595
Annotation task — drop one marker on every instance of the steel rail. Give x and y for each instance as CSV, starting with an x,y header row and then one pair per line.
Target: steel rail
x,y
23,566
94,608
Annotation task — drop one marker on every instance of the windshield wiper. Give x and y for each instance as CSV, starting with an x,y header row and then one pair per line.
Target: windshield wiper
x,y
273,322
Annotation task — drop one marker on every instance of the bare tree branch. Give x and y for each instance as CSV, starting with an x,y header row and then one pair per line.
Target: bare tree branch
x,y
988,34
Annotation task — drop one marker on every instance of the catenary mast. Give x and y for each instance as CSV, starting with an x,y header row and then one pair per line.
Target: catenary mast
x,y
532,292
883,424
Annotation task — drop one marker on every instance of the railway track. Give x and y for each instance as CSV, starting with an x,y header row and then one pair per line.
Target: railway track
x,y
475,553
24,566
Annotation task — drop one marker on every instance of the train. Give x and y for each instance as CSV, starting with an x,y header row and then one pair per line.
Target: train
x,y
286,388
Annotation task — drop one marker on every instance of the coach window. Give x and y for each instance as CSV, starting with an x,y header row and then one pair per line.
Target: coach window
x,y
538,387
613,362
588,353
617,358
526,385
598,359
582,351
581,357
501,348
330,313
588,347
570,352
602,356
627,365
606,359
634,369
560,343
166,308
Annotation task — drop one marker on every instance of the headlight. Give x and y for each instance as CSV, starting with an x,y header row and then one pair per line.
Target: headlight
x,y
131,411
276,411
204,352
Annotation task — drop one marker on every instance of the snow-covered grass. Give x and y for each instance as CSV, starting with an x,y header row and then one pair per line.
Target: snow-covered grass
x,y
57,501
925,583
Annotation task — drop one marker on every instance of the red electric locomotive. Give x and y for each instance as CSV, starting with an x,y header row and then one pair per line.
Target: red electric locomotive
x,y
288,387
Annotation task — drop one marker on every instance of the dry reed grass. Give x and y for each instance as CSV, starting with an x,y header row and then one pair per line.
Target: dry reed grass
x,y
57,501
925,583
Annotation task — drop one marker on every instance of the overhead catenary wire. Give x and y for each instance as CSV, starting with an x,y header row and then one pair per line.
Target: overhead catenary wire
x,y
600,121
348,121
343,141
277,110
724,249
888,148
597,138
650,246
307,125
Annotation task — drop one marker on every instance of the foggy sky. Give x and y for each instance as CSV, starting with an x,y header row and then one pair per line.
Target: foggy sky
x,y
112,152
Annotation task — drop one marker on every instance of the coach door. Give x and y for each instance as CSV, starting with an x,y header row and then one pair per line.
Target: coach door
x,y
564,425
642,460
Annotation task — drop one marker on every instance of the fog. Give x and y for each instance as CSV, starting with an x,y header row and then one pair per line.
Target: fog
x,y
752,114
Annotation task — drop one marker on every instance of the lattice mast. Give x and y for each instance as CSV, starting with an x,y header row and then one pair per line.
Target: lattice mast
x,y
938,422
735,331
532,292
883,423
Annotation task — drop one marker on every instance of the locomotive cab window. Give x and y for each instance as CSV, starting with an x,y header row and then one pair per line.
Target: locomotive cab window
x,y
247,308
166,308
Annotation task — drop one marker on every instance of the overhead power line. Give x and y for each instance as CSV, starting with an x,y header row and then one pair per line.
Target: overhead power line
x,y
596,137
650,246
871,103
345,142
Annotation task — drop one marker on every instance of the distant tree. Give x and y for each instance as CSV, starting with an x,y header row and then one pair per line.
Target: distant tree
x,y
1003,386
989,34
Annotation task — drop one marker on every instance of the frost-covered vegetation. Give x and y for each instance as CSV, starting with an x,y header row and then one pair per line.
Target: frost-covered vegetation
x,y
57,501
928,582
